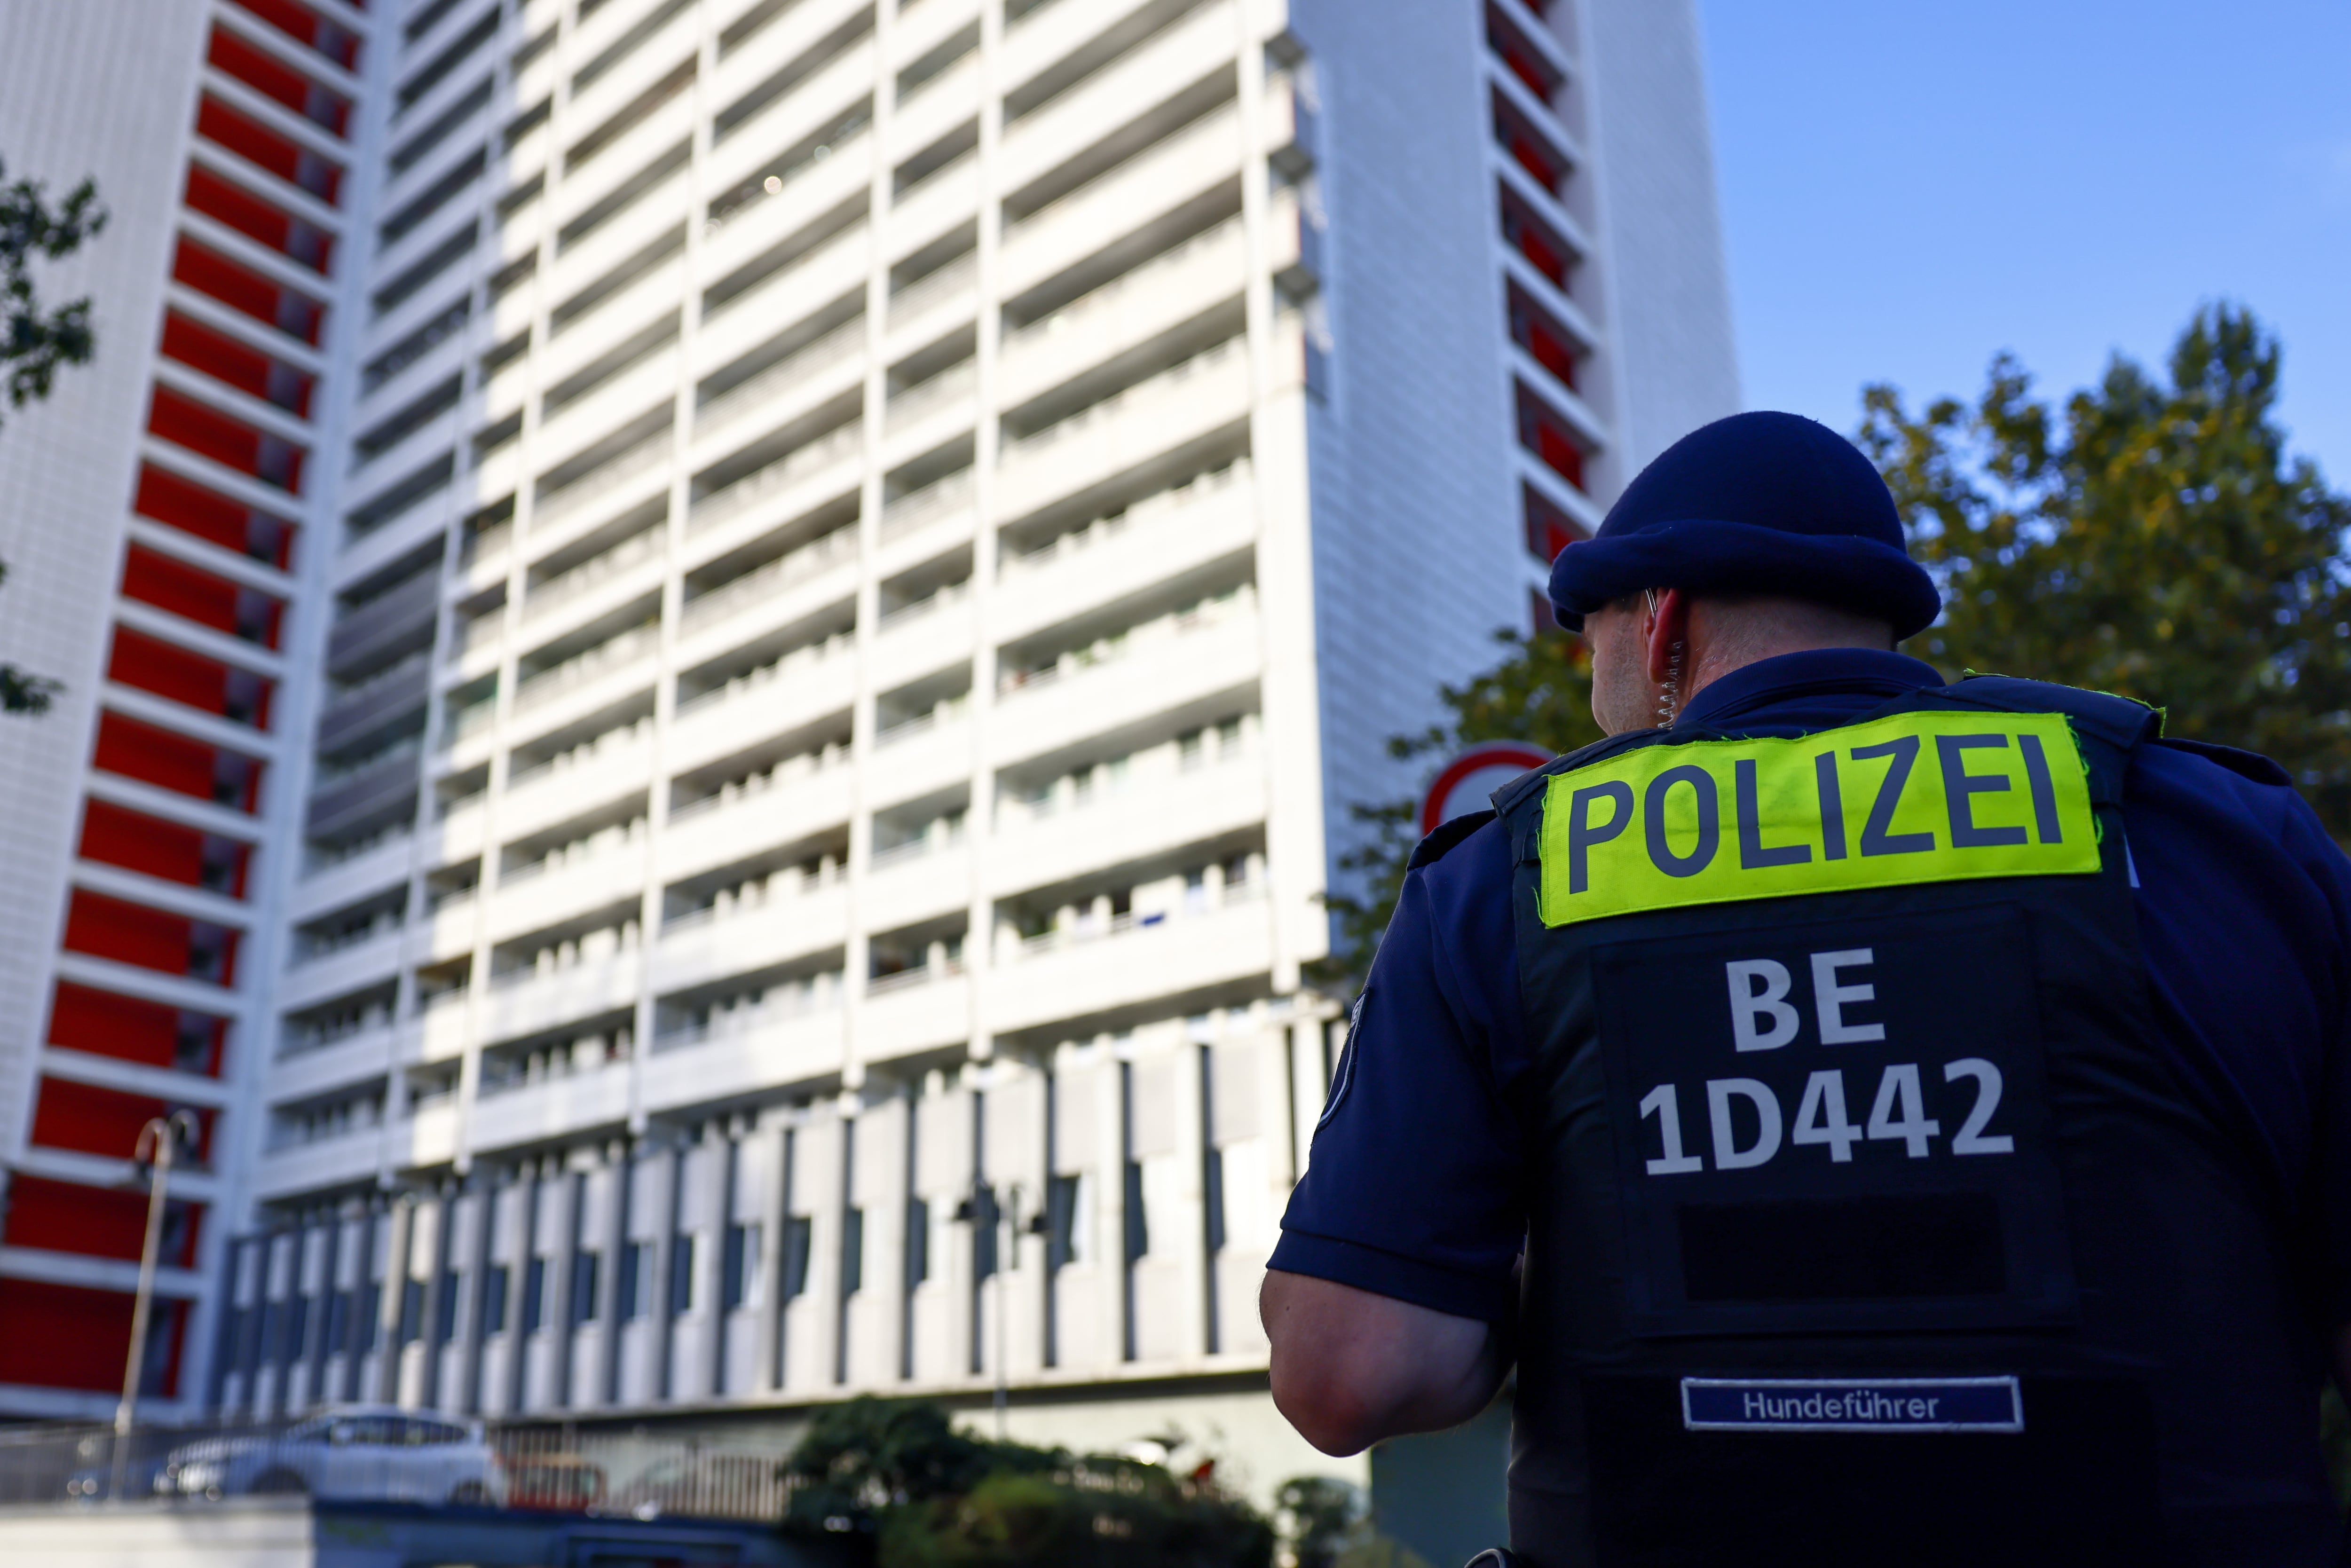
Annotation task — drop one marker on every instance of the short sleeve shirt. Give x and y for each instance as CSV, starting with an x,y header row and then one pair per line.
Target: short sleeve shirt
x,y
1416,1182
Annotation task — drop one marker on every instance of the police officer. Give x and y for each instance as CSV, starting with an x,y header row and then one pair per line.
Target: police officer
x,y
1920,1107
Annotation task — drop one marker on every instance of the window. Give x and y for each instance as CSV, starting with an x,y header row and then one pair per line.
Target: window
x,y
635,1258
739,1267
412,1311
583,1287
494,1299
534,1296
1064,1240
918,1241
681,1274
852,1252
445,1328
798,1231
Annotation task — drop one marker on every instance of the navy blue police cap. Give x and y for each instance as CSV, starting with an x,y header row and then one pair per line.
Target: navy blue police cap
x,y
1758,503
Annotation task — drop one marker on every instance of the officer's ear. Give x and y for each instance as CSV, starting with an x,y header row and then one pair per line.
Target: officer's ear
x,y
1665,626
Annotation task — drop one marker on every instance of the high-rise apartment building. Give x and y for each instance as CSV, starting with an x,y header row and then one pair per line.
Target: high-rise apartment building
x,y
716,651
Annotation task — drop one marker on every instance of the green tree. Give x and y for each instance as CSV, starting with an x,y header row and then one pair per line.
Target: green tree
x,y
897,1477
1541,692
34,343
2152,539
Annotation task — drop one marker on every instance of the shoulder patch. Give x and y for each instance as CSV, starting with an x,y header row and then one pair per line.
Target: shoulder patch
x,y
1440,843
2249,765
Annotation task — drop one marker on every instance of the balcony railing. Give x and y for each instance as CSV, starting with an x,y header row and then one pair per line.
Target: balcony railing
x,y
553,591
611,654
934,287
1084,932
792,770
797,661
1151,390
650,453
953,385
913,509
781,887
756,486
780,1004
1124,645
1079,313
916,847
761,580
1223,121
944,598
948,711
842,342
907,979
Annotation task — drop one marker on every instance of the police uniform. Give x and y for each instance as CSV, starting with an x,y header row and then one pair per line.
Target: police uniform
x,y
1918,1105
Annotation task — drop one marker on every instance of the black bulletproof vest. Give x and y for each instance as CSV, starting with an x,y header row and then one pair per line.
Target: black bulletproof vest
x,y
2017,1299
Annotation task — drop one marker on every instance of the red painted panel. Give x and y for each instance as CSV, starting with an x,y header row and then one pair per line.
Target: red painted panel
x,y
237,364
136,842
258,220
65,1217
60,1336
240,287
192,593
257,145
129,933
1549,529
170,671
83,1017
175,762
270,76
338,42
191,508
1544,432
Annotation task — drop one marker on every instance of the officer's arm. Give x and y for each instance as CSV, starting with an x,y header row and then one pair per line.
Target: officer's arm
x,y
1351,1368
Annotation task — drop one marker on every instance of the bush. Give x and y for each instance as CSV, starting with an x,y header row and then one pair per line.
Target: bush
x,y
914,1492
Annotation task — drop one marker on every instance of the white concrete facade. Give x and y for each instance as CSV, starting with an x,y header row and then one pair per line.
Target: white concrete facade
x,y
869,546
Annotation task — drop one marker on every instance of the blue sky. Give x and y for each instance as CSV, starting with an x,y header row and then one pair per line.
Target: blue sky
x,y
1910,188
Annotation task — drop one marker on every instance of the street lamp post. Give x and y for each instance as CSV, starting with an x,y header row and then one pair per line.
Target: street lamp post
x,y
158,1140
982,1212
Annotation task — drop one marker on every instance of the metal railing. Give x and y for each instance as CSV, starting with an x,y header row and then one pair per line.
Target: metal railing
x,y
609,654
732,500
841,343
788,568
380,1454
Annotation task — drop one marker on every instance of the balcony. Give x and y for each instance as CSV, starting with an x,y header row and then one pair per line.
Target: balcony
x,y
951,388
762,704
1147,817
1130,959
1122,199
1191,663
752,1051
933,501
915,1010
706,945
528,1001
524,1110
618,653
1189,402
1160,536
763,582
1173,287
801,798
553,592
839,445
842,343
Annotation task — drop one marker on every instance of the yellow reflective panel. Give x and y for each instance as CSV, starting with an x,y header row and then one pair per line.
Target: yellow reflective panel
x,y
1924,796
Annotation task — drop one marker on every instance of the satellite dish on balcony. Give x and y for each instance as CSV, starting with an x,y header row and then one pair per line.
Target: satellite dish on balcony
x,y
1465,783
